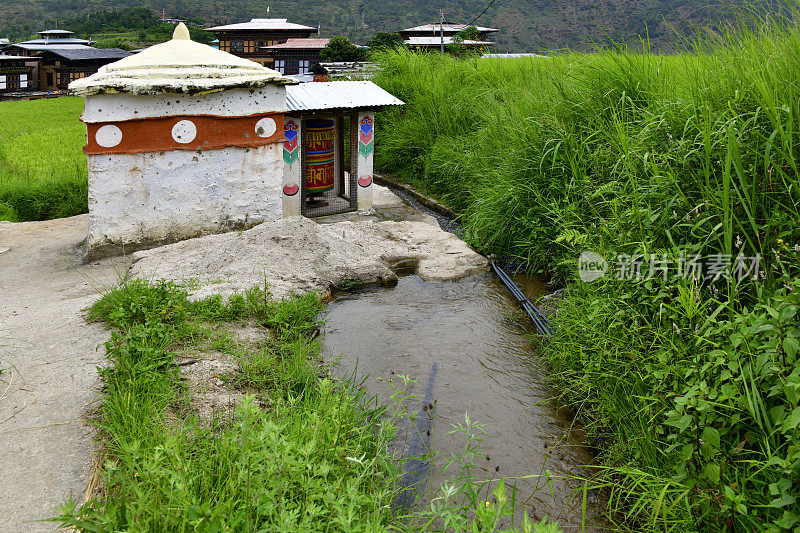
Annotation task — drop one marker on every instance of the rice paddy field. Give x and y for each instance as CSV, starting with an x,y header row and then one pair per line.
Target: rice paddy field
x,y
42,165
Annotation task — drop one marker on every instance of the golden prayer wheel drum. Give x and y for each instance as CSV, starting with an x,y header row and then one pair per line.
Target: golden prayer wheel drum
x,y
319,147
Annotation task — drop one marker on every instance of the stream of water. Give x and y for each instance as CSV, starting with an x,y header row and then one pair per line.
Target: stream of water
x,y
469,346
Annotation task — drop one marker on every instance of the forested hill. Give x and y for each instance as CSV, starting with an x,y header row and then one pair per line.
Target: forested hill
x,y
526,25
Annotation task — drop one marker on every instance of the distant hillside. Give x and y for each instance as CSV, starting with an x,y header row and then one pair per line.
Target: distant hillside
x,y
526,25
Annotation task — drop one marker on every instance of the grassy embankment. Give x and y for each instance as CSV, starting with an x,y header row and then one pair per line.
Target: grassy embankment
x,y
303,453
42,165
689,386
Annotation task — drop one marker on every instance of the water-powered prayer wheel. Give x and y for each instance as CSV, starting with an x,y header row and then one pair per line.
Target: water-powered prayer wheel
x,y
319,146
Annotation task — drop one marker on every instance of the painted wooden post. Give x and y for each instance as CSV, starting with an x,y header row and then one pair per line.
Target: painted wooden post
x,y
366,146
291,165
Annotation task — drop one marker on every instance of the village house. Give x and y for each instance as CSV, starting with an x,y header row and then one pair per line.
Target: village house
x,y
16,73
296,56
185,140
250,40
60,67
48,40
58,57
430,37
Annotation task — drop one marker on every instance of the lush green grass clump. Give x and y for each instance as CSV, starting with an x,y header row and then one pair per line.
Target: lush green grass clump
x,y
301,451
690,385
42,166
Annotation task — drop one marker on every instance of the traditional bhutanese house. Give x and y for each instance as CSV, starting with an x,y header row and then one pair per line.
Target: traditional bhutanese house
x,y
430,37
249,39
448,29
185,140
61,67
64,58
16,73
296,56
48,40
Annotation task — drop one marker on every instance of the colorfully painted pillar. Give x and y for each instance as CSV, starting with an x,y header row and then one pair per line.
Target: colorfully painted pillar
x,y
291,166
366,146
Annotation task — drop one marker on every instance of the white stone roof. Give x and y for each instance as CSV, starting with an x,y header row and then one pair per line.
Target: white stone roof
x,y
178,66
263,24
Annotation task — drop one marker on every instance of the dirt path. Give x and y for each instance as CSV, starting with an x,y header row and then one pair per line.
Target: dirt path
x,y
49,356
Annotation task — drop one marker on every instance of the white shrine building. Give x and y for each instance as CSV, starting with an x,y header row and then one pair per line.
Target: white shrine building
x,y
185,140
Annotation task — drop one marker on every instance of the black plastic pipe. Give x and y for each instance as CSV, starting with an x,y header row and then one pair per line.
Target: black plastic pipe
x,y
535,314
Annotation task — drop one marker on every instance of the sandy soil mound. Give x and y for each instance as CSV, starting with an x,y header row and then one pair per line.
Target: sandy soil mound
x,y
298,254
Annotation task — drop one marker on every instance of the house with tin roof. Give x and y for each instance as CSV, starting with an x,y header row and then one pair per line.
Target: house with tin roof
x,y
61,66
296,56
432,36
48,40
16,73
58,57
250,40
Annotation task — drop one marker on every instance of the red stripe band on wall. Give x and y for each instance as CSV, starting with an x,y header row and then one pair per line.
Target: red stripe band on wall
x,y
183,133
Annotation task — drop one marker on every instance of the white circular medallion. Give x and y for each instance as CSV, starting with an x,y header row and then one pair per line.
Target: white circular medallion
x,y
266,127
184,131
108,136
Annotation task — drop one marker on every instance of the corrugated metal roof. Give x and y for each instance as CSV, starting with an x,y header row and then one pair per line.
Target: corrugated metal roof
x,y
40,47
300,44
262,24
510,56
436,41
55,41
80,54
318,96
447,26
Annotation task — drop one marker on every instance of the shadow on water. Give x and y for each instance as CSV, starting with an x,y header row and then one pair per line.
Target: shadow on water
x,y
469,348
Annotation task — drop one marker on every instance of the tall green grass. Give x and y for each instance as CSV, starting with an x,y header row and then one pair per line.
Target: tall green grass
x,y
687,386
42,167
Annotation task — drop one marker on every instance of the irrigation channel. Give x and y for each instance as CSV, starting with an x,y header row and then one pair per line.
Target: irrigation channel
x,y
471,350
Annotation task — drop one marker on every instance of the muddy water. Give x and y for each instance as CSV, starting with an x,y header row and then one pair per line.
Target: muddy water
x,y
468,342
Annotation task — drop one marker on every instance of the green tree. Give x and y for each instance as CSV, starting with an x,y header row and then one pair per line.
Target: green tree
x,y
385,41
341,49
458,49
470,33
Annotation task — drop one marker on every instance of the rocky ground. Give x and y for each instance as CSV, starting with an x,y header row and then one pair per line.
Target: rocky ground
x,y
49,353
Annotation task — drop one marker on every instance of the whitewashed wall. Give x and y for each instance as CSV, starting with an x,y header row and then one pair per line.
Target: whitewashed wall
x,y
146,199
140,200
